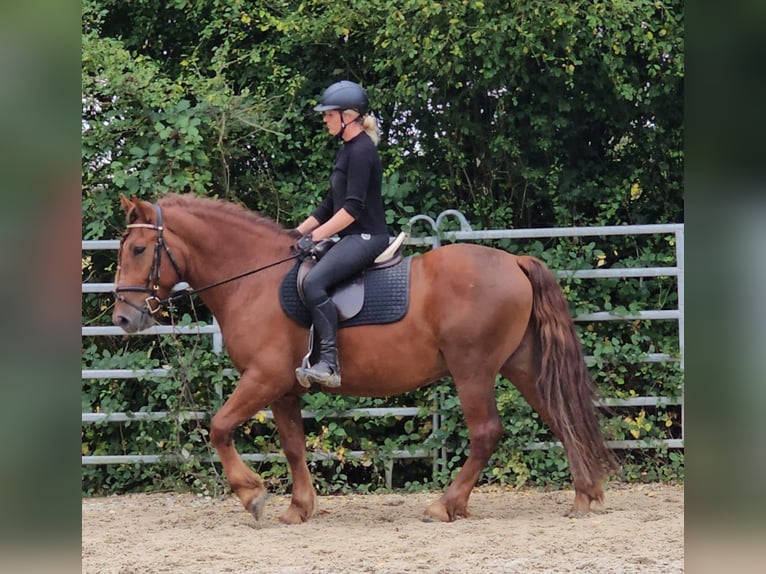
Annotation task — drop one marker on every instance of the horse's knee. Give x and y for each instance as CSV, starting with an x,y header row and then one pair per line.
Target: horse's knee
x,y
484,437
220,432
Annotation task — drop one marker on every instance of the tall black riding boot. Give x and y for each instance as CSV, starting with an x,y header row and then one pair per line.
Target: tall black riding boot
x,y
326,371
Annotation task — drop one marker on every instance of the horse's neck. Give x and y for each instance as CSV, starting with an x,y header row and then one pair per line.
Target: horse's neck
x,y
217,249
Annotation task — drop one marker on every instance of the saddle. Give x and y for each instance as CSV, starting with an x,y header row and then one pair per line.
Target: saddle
x,y
379,294
348,295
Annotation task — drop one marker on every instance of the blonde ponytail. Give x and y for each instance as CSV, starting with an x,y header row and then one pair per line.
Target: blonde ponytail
x,y
371,127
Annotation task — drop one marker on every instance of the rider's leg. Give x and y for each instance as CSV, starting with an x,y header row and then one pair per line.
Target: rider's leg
x,y
346,258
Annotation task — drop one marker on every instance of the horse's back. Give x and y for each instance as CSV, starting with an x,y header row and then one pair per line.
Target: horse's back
x,y
472,295
476,273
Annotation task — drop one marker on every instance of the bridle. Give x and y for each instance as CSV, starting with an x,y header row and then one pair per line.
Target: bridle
x,y
152,285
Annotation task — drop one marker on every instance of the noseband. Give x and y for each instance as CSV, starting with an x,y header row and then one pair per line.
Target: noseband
x,y
152,303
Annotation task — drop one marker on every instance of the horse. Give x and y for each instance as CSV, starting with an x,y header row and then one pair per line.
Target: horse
x,y
474,311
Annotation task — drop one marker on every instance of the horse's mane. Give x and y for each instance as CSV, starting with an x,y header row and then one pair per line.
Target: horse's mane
x,y
206,205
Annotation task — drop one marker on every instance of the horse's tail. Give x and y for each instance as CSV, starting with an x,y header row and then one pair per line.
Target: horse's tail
x,y
563,382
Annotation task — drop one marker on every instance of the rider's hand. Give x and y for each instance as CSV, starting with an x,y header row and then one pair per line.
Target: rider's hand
x,y
305,246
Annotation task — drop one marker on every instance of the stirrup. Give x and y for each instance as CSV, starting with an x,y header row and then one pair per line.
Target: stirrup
x,y
308,375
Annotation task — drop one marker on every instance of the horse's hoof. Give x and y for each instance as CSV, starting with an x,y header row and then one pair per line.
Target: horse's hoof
x,y
257,505
436,512
581,506
576,513
292,517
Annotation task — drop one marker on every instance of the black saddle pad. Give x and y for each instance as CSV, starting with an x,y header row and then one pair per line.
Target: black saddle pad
x,y
386,296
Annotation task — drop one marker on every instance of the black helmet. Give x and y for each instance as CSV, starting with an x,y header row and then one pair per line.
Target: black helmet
x,y
344,95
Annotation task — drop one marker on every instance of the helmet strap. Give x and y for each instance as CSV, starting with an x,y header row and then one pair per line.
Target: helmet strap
x,y
343,124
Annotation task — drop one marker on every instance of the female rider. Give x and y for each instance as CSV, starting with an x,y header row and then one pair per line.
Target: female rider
x,y
352,209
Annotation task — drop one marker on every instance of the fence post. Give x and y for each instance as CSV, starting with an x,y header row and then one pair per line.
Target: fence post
x,y
388,468
680,264
218,349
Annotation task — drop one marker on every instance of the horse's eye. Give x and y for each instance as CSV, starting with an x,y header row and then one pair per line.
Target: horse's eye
x,y
138,250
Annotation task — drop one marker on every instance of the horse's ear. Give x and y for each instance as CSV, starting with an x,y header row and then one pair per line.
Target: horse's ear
x,y
125,203
129,207
144,210
136,209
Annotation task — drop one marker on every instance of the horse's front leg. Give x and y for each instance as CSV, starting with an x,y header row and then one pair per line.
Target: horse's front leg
x,y
250,395
287,416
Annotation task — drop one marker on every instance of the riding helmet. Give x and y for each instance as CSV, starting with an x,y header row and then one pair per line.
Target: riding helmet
x,y
344,95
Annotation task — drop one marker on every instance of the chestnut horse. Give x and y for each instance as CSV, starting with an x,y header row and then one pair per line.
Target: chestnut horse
x,y
474,312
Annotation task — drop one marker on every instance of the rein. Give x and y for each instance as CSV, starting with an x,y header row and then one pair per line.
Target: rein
x,y
153,303
190,292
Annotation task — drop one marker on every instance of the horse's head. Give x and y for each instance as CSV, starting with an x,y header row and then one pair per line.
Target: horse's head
x,y
146,268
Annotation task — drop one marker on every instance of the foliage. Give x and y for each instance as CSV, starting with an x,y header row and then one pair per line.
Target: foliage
x,y
525,114
543,113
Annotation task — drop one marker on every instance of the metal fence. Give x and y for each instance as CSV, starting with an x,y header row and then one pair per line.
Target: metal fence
x,y
465,233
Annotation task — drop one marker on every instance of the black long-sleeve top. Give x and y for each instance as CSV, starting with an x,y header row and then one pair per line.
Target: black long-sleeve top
x,y
355,184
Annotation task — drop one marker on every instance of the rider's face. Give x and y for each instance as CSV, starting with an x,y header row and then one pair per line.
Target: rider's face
x,y
332,121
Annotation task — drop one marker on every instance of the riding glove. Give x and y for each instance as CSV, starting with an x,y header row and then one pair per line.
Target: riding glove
x,y
305,246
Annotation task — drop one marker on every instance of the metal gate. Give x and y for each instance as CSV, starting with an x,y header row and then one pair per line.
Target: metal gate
x,y
465,233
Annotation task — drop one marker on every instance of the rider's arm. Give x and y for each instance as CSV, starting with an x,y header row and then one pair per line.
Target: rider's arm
x,y
336,223
309,225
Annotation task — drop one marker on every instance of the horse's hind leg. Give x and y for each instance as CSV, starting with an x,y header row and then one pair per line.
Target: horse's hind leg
x,y
477,398
521,370
287,416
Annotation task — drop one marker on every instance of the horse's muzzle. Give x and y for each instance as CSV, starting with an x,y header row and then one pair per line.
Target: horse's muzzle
x,y
131,320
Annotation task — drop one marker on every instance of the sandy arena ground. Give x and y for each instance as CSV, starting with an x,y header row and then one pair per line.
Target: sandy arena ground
x,y
639,528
